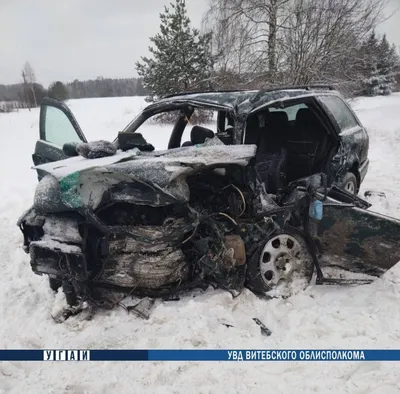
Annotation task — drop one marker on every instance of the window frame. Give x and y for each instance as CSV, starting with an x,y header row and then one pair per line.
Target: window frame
x,y
332,115
48,102
300,105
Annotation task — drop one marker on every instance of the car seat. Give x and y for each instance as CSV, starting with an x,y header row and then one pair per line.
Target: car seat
x,y
271,158
304,142
198,135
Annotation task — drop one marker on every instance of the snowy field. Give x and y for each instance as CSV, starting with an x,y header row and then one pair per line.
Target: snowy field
x,y
320,317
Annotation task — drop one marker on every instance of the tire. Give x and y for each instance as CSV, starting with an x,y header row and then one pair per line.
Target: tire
x,y
349,183
280,265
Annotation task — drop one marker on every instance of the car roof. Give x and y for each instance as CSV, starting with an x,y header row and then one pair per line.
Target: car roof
x,y
245,98
240,101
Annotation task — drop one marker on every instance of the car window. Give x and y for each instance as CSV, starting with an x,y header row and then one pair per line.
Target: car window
x,y
257,122
291,111
58,128
157,129
340,111
204,118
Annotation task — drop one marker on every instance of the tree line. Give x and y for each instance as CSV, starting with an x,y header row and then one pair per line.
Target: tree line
x,y
29,93
248,44
254,44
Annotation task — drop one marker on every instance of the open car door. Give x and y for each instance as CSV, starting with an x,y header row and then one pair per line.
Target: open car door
x,y
57,126
350,235
357,239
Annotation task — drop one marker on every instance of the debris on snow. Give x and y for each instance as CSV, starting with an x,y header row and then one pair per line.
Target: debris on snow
x,y
143,308
264,329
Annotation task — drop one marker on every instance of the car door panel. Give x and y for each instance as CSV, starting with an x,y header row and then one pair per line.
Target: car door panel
x,y
354,142
46,152
60,108
57,126
358,239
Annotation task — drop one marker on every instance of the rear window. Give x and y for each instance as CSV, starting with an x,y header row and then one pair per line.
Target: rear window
x,y
291,111
340,111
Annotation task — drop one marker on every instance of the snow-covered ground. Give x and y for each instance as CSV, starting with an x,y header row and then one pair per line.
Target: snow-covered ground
x,y
320,317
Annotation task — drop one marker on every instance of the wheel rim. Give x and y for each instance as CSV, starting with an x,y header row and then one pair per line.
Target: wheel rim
x,y
350,187
282,260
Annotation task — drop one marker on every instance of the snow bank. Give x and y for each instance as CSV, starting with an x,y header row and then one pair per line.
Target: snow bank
x,y
320,317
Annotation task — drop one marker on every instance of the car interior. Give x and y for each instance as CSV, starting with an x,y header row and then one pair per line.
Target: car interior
x,y
223,130
198,135
293,142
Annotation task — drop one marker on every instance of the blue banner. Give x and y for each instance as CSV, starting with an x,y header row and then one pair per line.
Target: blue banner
x,y
200,355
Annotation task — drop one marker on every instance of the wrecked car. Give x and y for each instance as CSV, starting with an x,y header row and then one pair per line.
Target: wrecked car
x,y
254,200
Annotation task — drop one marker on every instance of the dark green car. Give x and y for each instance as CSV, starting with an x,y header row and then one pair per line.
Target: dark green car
x,y
262,198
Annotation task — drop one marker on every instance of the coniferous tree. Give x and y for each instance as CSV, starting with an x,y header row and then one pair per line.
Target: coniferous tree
x,y
372,79
396,68
381,63
58,91
385,66
181,57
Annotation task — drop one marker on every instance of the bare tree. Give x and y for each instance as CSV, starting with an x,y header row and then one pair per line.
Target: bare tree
x,y
29,79
293,41
323,39
24,95
247,33
30,73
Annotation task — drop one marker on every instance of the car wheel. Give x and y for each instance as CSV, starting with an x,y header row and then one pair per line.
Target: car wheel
x,y
281,265
349,183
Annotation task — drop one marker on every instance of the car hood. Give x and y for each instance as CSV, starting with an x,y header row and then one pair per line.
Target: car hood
x,y
155,178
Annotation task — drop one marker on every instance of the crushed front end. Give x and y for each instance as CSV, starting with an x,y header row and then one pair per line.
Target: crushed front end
x,y
152,226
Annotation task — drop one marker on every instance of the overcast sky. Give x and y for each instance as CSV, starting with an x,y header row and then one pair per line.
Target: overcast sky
x,y
83,39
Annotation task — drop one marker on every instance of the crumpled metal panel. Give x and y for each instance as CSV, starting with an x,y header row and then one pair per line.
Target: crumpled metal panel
x,y
368,240
144,269
83,186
